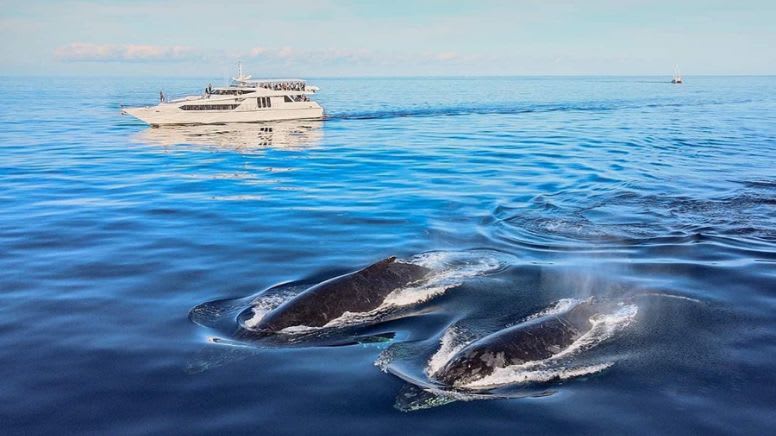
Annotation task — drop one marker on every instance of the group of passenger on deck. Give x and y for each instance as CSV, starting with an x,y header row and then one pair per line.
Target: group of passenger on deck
x,y
275,86
283,86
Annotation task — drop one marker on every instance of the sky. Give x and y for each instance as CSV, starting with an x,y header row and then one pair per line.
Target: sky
x,y
318,38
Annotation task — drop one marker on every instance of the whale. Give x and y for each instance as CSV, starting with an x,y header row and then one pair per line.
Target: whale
x,y
359,291
534,340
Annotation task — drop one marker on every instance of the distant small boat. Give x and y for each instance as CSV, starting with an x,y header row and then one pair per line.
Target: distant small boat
x,y
677,76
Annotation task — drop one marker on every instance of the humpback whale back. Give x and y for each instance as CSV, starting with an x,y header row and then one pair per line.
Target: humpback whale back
x,y
359,291
377,267
535,340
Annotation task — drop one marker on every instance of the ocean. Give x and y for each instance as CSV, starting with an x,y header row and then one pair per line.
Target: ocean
x,y
133,257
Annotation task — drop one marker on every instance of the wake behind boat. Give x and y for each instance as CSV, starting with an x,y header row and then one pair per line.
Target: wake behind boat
x,y
244,101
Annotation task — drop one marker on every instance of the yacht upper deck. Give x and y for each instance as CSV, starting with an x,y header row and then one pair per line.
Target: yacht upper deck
x,y
275,84
244,86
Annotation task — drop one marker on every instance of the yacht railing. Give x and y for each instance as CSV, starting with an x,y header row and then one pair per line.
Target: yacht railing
x,y
288,86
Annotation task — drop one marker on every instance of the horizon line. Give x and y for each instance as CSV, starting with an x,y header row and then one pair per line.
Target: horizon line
x,y
400,76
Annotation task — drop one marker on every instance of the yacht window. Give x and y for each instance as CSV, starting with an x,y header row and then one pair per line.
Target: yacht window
x,y
287,99
209,107
262,102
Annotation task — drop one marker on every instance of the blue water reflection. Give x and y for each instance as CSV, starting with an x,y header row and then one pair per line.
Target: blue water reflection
x,y
112,232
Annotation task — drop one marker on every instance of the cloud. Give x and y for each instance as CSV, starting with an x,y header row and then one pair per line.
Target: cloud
x,y
271,60
446,56
86,52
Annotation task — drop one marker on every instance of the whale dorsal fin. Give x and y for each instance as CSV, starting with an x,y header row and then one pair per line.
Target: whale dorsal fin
x,y
378,266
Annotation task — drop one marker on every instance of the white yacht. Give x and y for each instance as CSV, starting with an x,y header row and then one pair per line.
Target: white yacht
x,y
244,101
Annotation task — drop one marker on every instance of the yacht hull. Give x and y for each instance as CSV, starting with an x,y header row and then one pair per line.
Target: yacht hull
x,y
166,114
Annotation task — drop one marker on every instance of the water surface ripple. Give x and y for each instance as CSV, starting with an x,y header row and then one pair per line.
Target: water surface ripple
x,y
608,187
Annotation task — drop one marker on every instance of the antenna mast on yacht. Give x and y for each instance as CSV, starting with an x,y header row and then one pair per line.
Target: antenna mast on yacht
x,y
240,77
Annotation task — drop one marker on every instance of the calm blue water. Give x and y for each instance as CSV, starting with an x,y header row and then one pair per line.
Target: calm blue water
x,y
112,232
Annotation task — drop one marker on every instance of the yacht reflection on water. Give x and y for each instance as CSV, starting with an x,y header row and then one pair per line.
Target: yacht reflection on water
x,y
243,137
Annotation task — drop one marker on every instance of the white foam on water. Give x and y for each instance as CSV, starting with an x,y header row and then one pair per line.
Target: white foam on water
x,y
560,306
664,295
263,304
555,367
605,325
467,262
384,359
512,376
450,343
449,269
